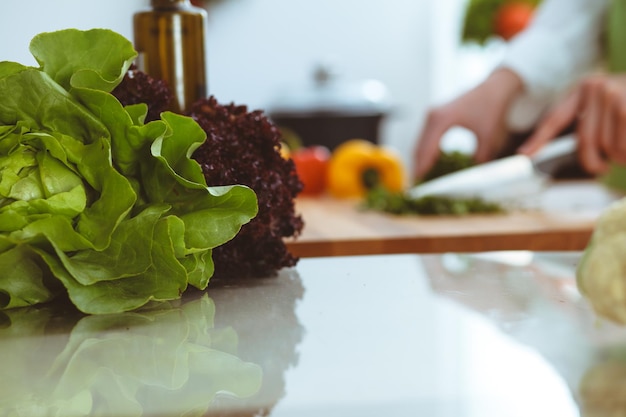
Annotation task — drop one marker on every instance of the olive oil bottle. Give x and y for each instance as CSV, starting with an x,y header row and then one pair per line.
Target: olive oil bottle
x,y
170,40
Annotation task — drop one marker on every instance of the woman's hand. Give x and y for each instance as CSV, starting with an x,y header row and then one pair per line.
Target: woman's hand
x,y
482,110
598,106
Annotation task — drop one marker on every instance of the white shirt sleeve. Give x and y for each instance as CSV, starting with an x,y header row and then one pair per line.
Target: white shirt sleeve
x,y
563,42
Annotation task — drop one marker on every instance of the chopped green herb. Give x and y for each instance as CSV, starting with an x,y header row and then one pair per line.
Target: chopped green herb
x,y
449,162
383,200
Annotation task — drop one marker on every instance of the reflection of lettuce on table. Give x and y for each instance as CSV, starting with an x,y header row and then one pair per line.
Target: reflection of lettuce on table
x,y
163,362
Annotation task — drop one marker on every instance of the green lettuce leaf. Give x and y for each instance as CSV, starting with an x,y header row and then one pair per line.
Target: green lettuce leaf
x,y
92,59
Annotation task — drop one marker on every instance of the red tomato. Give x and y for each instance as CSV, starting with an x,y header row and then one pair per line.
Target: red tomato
x,y
311,166
513,17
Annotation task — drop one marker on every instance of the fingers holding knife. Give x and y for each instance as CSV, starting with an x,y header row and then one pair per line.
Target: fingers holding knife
x,y
597,106
557,119
594,124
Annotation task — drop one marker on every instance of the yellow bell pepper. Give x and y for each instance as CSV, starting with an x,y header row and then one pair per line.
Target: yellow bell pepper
x,y
358,165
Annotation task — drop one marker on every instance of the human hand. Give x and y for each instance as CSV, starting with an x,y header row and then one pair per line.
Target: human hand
x,y
481,110
598,105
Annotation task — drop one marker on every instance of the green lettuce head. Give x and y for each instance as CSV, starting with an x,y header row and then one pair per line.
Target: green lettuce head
x,y
93,202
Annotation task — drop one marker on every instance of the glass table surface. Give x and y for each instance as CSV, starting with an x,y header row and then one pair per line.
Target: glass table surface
x,y
487,334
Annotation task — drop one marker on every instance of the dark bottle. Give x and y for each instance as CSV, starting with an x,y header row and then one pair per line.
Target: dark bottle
x,y
170,41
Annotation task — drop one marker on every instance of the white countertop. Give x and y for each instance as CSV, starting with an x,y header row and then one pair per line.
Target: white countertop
x,y
492,334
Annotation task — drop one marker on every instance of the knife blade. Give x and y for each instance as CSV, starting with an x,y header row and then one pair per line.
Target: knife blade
x,y
514,176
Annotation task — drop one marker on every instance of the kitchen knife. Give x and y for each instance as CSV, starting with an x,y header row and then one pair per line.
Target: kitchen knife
x,y
514,176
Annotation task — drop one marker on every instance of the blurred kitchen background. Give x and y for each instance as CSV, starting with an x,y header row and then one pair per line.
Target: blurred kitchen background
x,y
264,52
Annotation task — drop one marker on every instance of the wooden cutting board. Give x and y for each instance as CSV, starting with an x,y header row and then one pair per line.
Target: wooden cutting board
x,y
560,219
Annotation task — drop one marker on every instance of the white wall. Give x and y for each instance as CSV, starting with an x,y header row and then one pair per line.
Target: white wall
x,y
258,47
24,19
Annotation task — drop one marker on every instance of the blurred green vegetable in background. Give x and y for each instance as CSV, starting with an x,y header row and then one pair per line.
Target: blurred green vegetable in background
x,y
486,19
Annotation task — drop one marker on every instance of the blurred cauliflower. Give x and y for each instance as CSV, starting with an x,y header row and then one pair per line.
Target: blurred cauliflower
x,y
601,274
